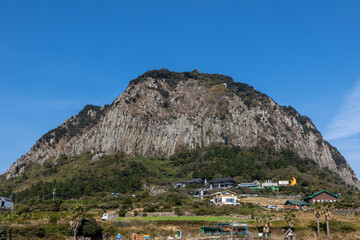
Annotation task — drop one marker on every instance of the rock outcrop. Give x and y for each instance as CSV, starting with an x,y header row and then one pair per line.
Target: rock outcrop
x,y
163,112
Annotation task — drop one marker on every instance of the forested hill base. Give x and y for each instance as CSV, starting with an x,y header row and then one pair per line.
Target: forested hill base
x,y
80,176
162,113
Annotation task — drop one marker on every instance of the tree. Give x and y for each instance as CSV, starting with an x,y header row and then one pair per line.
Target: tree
x,y
75,218
90,228
264,221
318,210
328,207
289,217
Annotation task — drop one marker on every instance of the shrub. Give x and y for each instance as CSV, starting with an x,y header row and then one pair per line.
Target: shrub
x,y
53,219
122,212
40,232
179,211
136,213
150,208
110,205
56,205
127,201
90,228
22,209
342,227
5,232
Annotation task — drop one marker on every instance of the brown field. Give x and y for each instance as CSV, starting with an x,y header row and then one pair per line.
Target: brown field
x,y
262,201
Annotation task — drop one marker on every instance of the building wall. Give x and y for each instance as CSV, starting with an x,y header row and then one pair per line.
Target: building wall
x,y
323,197
6,204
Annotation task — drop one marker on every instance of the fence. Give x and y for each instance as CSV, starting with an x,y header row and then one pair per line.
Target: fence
x,y
273,196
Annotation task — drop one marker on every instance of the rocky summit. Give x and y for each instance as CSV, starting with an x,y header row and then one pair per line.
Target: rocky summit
x,y
164,112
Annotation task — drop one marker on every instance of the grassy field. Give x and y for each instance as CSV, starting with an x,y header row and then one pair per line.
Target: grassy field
x,y
184,218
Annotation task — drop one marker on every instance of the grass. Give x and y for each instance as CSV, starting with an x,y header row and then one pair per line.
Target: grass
x,y
183,218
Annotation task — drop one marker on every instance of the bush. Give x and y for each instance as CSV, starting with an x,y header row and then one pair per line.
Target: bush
x,y
90,228
40,232
201,211
5,232
335,226
150,208
127,201
122,212
56,205
53,219
110,205
179,211
342,227
22,209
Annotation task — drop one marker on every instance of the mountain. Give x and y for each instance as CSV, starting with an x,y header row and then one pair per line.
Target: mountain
x,y
162,113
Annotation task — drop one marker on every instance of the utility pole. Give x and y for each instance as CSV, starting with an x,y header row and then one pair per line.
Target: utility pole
x,y
54,191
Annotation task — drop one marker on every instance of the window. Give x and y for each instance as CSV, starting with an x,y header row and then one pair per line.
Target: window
x,y
2,203
230,200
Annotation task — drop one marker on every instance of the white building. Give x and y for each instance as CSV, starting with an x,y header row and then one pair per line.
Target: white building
x,y
284,183
107,217
225,198
6,204
269,183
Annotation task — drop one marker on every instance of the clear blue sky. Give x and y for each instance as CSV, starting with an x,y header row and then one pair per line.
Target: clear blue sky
x,y
57,56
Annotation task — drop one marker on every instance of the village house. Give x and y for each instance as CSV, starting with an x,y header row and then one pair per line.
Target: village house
x,y
295,204
222,182
284,183
322,196
196,181
6,204
249,185
225,198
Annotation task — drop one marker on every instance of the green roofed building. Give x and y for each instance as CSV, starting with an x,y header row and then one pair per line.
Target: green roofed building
x,y
296,202
322,196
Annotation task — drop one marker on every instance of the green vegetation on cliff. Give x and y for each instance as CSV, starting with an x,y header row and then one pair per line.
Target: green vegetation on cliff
x,y
79,176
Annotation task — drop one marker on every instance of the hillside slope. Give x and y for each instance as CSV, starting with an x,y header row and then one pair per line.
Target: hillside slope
x,y
164,112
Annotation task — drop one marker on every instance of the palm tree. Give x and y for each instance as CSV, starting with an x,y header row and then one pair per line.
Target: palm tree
x,y
264,221
75,218
318,210
328,207
289,217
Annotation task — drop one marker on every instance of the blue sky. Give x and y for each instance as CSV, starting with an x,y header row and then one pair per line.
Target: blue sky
x,y
57,56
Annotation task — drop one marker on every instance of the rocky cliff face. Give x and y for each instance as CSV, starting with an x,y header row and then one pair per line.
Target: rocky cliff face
x,y
163,112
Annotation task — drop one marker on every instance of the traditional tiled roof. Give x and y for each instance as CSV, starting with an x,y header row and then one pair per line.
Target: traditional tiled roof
x,y
317,193
219,180
195,181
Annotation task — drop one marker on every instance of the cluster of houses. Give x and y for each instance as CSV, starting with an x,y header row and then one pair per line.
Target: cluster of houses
x,y
216,183
322,196
229,182
230,198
